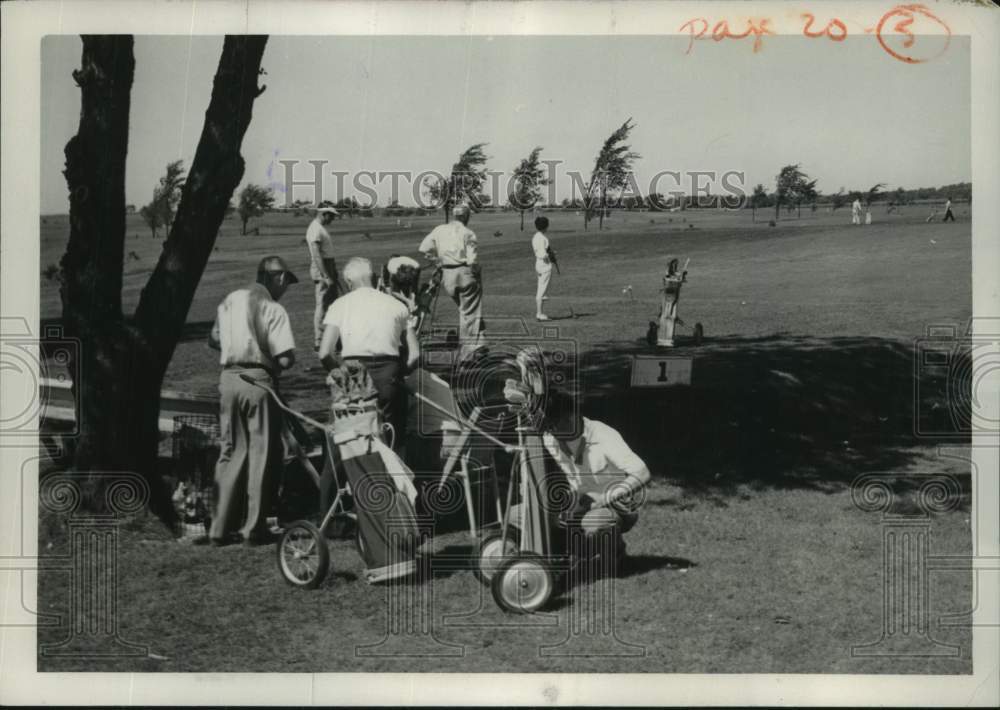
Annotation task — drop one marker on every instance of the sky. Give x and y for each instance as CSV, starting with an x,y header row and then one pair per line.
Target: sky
x,y
847,111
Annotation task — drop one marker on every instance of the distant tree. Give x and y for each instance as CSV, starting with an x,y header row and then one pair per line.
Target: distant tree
x,y
528,181
611,169
254,202
160,210
347,206
807,193
151,216
393,209
873,192
168,194
790,184
299,206
655,201
838,199
758,199
464,183
900,196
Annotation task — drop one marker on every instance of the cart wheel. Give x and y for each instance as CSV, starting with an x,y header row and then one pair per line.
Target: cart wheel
x,y
522,584
303,557
359,543
699,333
492,553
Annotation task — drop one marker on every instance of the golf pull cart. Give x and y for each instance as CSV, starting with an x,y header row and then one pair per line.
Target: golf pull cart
x,y
539,544
661,332
365,468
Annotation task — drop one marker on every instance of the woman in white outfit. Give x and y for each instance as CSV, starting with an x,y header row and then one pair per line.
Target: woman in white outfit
x,y
543,264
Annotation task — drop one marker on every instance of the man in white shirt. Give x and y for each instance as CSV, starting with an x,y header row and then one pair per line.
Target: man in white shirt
x,y
453,247
372,327
856,211
254,338
322,266
948,214
606,474
543,265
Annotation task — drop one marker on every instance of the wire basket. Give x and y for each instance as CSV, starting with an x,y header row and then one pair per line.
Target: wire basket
x,y
195,451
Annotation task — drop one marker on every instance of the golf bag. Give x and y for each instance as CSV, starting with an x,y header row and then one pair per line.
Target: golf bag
x,y
381,484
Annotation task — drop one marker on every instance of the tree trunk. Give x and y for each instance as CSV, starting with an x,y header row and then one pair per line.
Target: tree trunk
x,y
600,223
121,364
522,220
753,209
777,210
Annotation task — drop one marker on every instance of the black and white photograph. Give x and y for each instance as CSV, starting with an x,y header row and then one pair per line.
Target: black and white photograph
x,y
480,338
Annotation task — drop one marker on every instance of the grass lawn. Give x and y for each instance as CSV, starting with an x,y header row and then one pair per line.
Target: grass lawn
x,y
749,556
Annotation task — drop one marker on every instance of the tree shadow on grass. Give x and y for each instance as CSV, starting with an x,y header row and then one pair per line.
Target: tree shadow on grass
x,y
777,411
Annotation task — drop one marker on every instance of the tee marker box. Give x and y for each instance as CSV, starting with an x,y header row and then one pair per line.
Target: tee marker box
x,y
659,371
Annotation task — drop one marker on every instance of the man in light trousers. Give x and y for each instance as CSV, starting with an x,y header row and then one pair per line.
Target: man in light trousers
x,y
453,247
254,338
322,267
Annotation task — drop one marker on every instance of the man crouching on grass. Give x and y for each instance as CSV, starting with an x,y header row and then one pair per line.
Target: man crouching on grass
x,y
607,476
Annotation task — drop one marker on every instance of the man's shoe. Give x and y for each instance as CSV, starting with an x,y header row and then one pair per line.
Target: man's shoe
x,y
224,541
541,316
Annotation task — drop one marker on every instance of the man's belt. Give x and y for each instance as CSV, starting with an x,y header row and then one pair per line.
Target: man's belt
x,y
453,266
371,358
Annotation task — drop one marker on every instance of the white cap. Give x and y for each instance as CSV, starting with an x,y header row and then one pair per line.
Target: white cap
x,y
395,262
329,210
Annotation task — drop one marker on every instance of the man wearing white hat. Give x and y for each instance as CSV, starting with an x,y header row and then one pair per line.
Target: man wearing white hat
x,y
400,279
322,267
453,247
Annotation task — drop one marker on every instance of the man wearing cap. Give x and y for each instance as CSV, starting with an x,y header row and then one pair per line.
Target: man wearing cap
x,y
453,247
373,327
607,476
254,337
322,266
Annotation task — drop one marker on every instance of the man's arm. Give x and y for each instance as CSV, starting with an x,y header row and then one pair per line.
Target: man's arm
x,y
285,360
328,347
471,251
279,336
428,247
412,349
624,459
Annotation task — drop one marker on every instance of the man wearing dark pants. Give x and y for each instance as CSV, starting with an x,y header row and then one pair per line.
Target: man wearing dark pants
x,y
253,335
372,327
948,214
